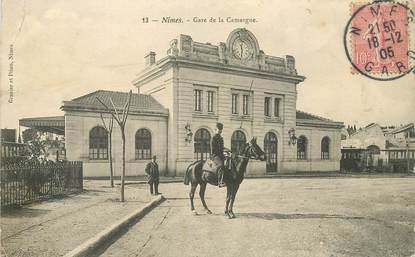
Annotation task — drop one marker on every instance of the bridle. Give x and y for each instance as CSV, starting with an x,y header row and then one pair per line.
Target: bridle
x,y
253,155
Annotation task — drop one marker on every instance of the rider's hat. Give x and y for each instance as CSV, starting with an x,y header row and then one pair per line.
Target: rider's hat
x,y
219,125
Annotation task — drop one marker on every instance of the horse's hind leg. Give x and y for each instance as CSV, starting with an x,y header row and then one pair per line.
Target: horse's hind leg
x,y
202,197
191,196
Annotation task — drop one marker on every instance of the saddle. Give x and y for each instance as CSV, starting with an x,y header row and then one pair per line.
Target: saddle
x,y
210,166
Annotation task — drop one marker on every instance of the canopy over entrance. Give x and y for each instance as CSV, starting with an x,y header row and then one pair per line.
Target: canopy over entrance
x,y
55,124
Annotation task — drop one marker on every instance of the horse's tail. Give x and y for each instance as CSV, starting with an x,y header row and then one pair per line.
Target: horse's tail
x,y
188,173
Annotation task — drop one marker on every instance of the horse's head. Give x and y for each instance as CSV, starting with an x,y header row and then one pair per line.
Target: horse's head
x,y
255,151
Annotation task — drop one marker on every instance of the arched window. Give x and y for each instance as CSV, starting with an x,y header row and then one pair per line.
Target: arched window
x,y
202,144
325,148
238,142
98,144
142,144
373,149
271,151
302,148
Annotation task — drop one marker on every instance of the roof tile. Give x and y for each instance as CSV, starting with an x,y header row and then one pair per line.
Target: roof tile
x,y
139,102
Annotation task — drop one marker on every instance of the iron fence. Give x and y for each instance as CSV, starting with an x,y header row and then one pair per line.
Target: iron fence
x,y
25,183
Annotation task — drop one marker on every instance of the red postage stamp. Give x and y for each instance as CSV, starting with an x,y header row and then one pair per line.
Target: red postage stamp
x,y
377,40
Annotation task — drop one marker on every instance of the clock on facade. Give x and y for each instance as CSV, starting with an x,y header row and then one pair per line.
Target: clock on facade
x,y
242,49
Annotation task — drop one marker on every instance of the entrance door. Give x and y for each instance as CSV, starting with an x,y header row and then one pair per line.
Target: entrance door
x,y
373,152
271,151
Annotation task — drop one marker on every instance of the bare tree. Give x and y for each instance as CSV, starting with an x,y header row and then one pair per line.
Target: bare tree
x,y
121,119
109,132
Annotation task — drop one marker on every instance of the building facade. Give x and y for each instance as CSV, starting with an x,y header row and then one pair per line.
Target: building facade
x,y
86,136
251,93
182,96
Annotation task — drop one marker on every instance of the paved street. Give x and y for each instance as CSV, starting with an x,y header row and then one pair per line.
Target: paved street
x,y
282,217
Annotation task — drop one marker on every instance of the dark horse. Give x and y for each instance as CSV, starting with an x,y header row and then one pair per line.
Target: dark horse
x,y
196,176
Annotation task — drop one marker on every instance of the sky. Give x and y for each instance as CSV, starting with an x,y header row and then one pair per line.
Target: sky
x,y
64,49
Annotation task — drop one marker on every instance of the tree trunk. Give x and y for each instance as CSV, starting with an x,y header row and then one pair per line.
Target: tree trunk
x,y
123,163
110,156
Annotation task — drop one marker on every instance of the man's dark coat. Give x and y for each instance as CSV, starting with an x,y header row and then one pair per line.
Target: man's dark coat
x,y
152,170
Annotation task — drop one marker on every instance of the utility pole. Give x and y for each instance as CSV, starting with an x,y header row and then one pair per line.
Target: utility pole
x,y
407,151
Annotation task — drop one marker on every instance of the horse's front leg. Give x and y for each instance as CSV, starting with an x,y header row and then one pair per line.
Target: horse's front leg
x,y
233,196
228,198
202,191
191,196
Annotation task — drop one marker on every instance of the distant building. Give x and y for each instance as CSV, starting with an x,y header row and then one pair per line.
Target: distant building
x,y
8,135
50,130
9,148
383,145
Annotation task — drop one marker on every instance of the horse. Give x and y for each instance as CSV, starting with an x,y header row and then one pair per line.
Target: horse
x,y
197,176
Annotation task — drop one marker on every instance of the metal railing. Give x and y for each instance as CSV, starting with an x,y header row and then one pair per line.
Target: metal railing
x,y
10,149
24,183
391,160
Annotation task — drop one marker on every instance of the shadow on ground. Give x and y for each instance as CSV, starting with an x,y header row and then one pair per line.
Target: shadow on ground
x,y
293,216
23,212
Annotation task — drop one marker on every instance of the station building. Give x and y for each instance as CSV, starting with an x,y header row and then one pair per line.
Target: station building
x,y
180,97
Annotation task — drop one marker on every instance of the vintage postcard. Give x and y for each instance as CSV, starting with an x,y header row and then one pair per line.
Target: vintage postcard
x,y
185,128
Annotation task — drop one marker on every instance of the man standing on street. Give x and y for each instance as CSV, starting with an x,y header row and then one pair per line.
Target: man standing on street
x,y
152,170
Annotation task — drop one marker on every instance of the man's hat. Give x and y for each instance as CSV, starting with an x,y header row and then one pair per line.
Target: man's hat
x,y
219,125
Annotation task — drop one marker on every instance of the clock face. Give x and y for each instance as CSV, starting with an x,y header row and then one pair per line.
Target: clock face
x,y
242,49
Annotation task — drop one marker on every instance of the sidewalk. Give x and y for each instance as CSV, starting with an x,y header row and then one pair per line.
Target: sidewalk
x,y
57,226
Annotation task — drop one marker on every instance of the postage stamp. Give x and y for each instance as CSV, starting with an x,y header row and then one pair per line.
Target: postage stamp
x,y
377,39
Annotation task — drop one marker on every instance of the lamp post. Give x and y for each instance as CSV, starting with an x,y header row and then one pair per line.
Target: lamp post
x,y
189,133
407,151
293,138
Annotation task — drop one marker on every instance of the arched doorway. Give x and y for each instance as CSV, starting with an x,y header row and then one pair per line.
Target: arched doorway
x,y
271,151
202,144
373,152
238,141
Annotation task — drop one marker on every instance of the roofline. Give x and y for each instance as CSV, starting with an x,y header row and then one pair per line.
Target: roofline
x,y
45,124
183,62
397,130
83,96
316,116
320,124
92,108
371,125
43,117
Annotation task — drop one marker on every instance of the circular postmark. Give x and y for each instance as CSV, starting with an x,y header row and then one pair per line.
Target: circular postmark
x,y
377,40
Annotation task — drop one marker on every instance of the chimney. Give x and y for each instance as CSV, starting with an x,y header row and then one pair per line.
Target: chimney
x,y
150,59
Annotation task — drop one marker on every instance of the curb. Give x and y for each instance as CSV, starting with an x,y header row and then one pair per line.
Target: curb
x,y
145,182
91,246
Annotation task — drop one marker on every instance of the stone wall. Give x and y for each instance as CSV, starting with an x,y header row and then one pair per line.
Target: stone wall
x,y
78,126
180,88
313,162
255,124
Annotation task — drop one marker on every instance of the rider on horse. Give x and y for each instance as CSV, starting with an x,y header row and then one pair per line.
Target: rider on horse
x,y
218,156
